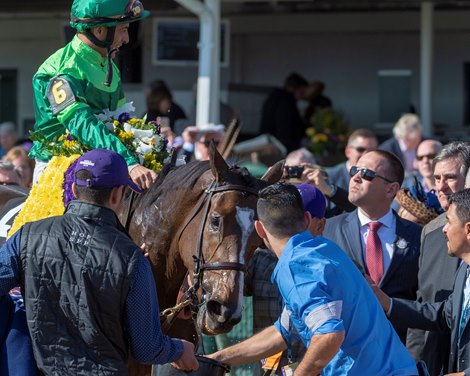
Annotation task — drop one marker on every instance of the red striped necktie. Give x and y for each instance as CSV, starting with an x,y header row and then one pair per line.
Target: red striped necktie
x,y
374,253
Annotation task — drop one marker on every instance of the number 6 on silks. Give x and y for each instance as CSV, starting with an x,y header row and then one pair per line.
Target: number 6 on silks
x,y
59,94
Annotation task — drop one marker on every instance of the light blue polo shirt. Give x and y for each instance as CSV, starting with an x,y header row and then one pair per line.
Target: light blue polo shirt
x,y
324,292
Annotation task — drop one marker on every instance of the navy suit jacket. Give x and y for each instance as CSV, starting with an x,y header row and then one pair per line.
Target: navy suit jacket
x,y
393,146
443,317
401,277
435,283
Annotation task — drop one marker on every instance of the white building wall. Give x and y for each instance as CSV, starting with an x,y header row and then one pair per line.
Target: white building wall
x,y
343,50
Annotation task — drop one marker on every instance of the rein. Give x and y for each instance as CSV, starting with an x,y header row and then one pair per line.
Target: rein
x,y
190,296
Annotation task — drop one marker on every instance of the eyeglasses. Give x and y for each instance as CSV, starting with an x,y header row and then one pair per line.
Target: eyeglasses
x,y
359,149
428,156
366,174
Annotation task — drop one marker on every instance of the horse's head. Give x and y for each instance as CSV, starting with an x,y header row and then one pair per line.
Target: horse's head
x,y
219,238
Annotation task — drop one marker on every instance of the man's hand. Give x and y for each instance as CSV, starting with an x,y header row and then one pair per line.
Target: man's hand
x,y
143,177
187,361
383,298
316,176
456,374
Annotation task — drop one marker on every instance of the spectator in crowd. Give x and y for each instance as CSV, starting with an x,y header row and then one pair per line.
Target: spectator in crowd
x,y
300,157
84,318
406,138
8,174
81,80
376,239
418,206
326,300
23,164
196,141
8,137
436,268
425,154
451,314
280,115
316,100
160,105
334,184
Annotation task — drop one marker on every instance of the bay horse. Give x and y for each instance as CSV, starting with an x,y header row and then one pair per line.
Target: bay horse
x,y
197,223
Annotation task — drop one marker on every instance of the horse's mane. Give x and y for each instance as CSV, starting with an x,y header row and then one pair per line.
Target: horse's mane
x,y
175,186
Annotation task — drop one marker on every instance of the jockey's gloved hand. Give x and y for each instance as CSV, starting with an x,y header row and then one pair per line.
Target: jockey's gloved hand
x,y
143,176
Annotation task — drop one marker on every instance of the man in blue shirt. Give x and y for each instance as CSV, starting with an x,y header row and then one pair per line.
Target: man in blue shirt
x,y
326,298
89,291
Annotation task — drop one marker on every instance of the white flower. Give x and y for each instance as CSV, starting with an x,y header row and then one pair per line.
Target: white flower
x,y
143,148
107,114
402,243
140,133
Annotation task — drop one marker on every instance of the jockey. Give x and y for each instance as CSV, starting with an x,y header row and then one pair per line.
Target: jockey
x,y
80,80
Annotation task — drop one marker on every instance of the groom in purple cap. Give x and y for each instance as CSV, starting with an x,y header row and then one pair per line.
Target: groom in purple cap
x,y
89,291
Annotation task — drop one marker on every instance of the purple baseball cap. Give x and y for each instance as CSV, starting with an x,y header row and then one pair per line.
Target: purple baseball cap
x,y
313,199
107,168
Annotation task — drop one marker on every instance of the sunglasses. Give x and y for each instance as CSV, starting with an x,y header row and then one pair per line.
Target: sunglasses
x,y
428,156
366,174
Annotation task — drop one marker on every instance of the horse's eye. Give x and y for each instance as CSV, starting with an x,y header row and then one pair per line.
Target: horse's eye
x,y
214,223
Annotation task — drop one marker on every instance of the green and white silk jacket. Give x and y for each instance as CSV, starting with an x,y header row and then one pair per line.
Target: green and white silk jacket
x,y
69,91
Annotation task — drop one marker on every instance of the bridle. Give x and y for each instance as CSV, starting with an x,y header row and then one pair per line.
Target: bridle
x,y
190,296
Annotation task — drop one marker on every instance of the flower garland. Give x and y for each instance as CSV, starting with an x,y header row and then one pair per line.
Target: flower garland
x,y
143,139
46,197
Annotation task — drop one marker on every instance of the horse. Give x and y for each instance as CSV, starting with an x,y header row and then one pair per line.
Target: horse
x,y
197,224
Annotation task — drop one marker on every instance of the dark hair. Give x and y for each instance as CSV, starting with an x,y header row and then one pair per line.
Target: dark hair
x,y
92,195
396,171
281,210
361,132
295,81
461,200
458,150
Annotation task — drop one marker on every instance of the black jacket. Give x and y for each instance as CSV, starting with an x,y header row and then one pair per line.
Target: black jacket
x,y
77,272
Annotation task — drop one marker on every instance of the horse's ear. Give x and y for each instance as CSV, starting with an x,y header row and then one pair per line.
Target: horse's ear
x,y
274,174
218,165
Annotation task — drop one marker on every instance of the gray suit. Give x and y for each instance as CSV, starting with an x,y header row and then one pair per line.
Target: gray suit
x,y
442,316
435,282
401,277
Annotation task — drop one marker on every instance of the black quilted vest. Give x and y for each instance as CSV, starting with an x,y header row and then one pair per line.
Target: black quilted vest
x,y
77,274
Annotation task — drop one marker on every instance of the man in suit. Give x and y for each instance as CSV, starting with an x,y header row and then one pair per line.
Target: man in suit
x,y
406,138
280,115
451,314
378,241
436,268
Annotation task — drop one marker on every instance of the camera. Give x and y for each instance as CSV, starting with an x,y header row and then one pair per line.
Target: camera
x,y
294,172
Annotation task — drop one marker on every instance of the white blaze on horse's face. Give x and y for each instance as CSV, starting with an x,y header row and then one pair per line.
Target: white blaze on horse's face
x,y
245,218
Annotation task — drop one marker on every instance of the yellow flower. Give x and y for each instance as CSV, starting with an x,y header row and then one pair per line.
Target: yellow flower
x,y
125,137
320,138
310,131
45,198
116,123
70,144
134,121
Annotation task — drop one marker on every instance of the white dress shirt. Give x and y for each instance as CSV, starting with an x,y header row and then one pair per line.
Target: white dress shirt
x,y
387,235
